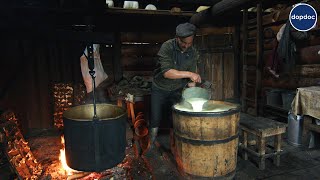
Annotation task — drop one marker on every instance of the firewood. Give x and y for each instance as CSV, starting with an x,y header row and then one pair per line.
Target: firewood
x,y
18,150
30,162
24,170
13,152
78,175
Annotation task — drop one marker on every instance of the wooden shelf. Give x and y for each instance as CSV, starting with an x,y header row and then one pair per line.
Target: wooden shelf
x,y
149,12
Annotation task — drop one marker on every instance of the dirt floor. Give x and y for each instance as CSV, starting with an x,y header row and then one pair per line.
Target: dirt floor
x,y
296,162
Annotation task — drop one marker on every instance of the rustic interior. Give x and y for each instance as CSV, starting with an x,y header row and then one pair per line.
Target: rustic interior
x,y
41,77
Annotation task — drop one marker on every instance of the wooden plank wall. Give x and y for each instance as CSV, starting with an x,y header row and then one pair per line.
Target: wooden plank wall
x,y
217,61
139,52
138,57
307,68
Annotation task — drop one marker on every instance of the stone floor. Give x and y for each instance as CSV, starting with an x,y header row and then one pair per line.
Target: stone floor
x,y
296,162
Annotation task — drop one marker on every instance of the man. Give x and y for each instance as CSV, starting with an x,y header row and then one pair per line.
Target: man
x,y
101,78
176,68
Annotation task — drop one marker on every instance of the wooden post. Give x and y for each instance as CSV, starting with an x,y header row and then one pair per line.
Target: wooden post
x,y
262,152
259,57
222,76
245,144
277,146
236,51
244,58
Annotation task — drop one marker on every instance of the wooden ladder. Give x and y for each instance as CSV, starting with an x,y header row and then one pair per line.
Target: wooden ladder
x,y
248,96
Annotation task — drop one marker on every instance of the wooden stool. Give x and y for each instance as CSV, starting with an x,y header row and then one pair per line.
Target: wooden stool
x,y
261,128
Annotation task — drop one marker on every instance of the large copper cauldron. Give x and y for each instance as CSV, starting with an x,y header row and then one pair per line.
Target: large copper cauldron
x,y
94,144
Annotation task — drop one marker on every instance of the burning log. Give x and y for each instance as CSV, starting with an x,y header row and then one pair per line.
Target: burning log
x,y
17,149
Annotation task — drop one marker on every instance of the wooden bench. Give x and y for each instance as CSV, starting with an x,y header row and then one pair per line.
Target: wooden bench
x,y
261,128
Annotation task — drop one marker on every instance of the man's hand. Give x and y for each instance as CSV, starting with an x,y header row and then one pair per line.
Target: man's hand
x,y
194,77
175,74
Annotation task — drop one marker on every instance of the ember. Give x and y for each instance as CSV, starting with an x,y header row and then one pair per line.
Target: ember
x,y
49,161
17,149
65,96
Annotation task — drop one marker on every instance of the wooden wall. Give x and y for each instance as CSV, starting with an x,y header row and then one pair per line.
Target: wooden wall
x,y
139,52
139,57
217,61
107,56
307,69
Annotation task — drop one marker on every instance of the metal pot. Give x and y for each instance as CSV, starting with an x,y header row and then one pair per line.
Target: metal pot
x,y
194,92
94,144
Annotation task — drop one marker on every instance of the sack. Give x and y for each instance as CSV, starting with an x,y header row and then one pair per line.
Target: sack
x,y
98,68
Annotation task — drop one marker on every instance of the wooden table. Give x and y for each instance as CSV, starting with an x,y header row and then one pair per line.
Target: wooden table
x,y
307,103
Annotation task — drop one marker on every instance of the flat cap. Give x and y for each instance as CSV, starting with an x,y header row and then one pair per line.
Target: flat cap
x,y
185,30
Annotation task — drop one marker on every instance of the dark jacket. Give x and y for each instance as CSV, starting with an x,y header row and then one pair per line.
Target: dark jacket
x,y
287,46
171,57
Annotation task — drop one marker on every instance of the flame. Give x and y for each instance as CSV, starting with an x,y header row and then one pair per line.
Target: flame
x,y
62,158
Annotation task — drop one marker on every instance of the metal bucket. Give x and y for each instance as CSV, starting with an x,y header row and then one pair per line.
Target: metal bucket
x,y
194,93
94,145
295,128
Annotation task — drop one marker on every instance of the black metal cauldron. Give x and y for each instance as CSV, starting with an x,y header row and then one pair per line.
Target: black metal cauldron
x,y
94,144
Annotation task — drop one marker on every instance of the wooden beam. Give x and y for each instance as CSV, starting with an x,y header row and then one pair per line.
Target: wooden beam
x,y
200,2
292,83
68,35
146,37
215,31
280,17
117,10
275,18
139,50
308,70
230,6
309,55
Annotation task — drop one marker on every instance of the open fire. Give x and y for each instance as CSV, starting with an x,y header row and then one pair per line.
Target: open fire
x,y
63,161
118,172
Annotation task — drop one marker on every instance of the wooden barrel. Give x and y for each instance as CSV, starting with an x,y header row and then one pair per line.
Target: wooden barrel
x,y
206,143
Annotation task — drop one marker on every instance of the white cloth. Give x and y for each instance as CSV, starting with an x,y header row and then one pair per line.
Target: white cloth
x,y
98,68
279,34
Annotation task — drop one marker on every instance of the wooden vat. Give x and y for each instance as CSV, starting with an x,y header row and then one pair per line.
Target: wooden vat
x,y
206,143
